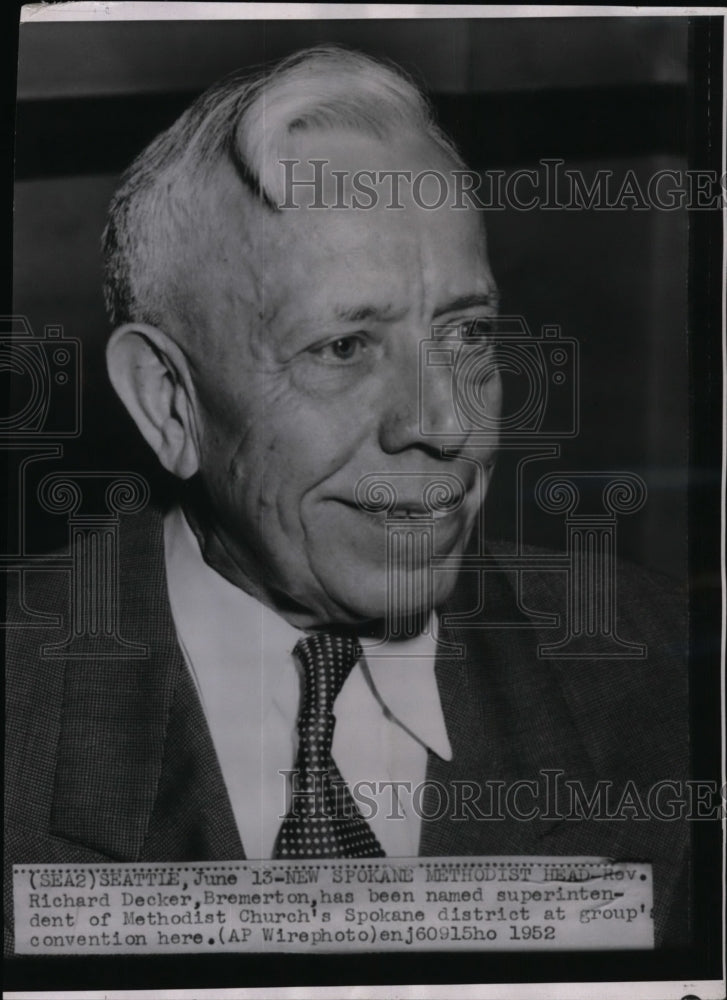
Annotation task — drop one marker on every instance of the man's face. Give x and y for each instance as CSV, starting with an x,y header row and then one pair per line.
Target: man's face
x,y
308,381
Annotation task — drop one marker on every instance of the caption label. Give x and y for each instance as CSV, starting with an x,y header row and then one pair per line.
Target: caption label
x,y
420,904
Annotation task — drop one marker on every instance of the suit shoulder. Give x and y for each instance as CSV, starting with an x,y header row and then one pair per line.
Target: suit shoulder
x,y
656,599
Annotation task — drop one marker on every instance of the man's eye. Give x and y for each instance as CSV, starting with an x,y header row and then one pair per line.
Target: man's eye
x,y
341,349
479,328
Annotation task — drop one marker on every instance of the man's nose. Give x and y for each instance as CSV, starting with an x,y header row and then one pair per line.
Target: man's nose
x,y
419,409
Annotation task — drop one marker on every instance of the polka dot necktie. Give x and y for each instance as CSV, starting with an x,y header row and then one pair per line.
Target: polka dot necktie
x,y
323,820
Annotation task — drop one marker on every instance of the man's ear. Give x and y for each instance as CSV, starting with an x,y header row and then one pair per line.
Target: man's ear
x,y
151,376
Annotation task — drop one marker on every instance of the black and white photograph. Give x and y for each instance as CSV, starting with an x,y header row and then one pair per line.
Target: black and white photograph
x,y
364,468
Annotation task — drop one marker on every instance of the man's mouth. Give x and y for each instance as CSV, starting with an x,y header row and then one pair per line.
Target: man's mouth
x,y
414,499
416,512
442,504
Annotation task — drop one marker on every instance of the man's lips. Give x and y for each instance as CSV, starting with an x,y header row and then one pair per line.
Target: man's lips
x,y
411,510
446,526
409,495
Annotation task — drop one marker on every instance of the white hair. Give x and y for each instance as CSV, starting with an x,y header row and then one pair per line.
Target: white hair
x,y
155,214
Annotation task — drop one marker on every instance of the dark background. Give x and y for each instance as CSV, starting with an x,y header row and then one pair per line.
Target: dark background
x,y
598,93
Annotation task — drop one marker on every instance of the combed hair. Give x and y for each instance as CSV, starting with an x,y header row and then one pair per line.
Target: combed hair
x,y
246,119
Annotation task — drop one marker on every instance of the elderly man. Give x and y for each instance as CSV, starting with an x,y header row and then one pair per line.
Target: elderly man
x,y
269,315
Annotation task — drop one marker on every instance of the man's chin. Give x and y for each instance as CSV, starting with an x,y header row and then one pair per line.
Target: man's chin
x,y
400,605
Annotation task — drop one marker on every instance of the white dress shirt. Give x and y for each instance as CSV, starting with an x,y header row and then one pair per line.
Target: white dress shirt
x,y
240,654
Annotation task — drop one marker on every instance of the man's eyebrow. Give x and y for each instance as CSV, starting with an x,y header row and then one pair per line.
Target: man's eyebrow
x,y
387,312
362,313
484,300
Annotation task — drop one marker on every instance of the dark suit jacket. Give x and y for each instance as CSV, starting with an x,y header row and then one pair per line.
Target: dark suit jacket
x,y
112,759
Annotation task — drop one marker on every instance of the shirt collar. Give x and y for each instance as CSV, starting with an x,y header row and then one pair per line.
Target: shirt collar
x,y
223,630
403,678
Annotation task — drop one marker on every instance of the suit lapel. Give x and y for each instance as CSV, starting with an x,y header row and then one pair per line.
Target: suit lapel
x,y
508,723
512,716
137,776
192,817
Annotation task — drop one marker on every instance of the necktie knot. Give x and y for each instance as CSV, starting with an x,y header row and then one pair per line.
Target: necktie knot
x,y
327,659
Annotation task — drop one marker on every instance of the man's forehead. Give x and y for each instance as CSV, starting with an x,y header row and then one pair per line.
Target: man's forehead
x,y
329,166
378,228
347,263
379,292
348,267
357,176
